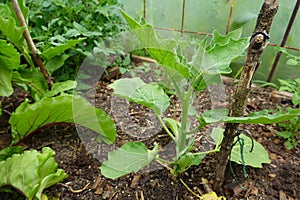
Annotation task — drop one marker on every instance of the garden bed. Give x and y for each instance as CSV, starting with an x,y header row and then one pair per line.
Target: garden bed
x,y
81,156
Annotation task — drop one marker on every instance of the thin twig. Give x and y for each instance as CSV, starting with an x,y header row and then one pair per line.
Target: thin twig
x,y
284,39
37,59
230,15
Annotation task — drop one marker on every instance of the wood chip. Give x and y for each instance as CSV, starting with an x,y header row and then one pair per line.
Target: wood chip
x,y
273,156
271,176
282,195
135,181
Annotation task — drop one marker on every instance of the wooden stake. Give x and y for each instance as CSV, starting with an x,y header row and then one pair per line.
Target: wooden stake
x,y
257,44
37,59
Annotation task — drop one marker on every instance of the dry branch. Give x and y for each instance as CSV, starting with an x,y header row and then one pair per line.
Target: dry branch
x,y
257,44
36,58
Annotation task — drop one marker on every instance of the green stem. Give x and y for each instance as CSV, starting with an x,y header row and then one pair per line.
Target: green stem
x,y
166,128
189,189
162,162
206,152
184,121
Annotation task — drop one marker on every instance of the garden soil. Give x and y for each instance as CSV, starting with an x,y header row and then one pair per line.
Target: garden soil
x,y
77,155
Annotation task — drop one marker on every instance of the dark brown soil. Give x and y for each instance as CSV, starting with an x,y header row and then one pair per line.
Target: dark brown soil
x,y
81,157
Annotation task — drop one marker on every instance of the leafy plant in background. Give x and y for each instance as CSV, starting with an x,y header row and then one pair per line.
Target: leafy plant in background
x,y
189,75
55,22
292,60
292,127
50,106
124,64
30,172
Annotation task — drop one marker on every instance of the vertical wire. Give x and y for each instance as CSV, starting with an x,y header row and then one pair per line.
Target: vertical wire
x,y
230,15
284,39
144,15
182,17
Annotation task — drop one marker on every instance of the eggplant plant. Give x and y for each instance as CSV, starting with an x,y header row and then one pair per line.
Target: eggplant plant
x,y
189,73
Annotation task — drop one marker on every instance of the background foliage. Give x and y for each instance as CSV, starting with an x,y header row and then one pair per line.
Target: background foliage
x,y
206,16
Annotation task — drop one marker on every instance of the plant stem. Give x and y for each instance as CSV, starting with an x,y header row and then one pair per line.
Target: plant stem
x,y
184,120
189,189
206,152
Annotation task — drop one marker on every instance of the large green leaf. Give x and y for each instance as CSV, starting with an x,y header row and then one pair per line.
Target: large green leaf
x,y
56,63
9,56
9,60
136,90
6,88
57,50
254,158
31,172
14,33
162,50
29,117
215,58
261,117
32,81
131,157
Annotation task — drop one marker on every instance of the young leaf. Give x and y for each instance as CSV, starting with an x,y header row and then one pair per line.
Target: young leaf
x,y
29,117
131,157
217,135
14,33
210,61
173,125
255,158
31,172
57,50
135,90
162,50
188,160
6,88
61,87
